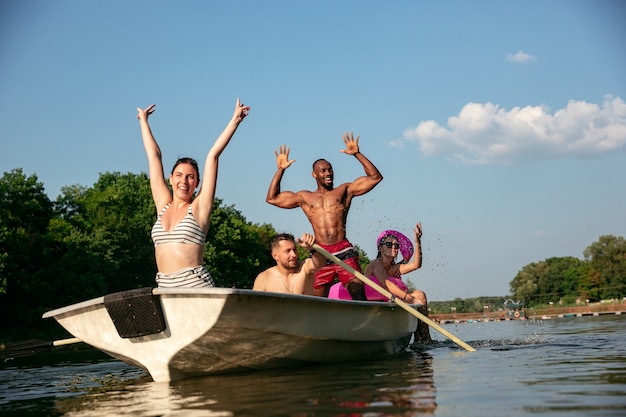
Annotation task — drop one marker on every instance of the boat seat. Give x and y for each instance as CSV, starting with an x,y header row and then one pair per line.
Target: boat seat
x,y
135,313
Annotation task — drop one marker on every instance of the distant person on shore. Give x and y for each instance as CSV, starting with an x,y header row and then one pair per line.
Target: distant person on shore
x,y
327,210
389,273
183,220
289,275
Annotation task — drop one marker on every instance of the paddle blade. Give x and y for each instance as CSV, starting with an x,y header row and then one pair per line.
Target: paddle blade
x,y
24,348
29,347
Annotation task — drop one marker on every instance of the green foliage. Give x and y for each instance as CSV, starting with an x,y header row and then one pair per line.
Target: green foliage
x,y
103,235
565,280
602,275
607,260
25,211
542,281
364,261
236,250
469,305
93,241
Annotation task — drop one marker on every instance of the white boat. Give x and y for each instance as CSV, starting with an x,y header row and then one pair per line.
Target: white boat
x,y
176,333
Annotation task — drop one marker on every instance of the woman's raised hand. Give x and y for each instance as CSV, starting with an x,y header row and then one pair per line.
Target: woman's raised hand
x,y
241,111
142,114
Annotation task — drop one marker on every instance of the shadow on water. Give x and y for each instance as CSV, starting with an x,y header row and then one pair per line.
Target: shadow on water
x,y
397,386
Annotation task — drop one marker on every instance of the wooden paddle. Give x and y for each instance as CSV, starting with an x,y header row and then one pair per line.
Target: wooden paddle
x,y
32,346
387,294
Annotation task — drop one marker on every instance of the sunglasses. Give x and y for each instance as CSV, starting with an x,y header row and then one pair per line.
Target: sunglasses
x,y
391,244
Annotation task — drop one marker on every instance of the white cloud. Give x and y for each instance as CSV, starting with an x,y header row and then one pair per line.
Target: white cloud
x,y
488,134
521,57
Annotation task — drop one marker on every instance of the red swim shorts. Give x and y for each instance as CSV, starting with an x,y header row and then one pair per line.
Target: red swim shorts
x,y
344,251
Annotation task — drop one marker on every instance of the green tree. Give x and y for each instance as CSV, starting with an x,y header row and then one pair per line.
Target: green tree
x,y
591,285
525,284
461,305
548,280
607,257
364,261
573,279
106,230
236,250
552,282
103,235
25,212
96,240
602,274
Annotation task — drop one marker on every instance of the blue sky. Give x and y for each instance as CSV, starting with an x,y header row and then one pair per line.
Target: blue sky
x,y
500,125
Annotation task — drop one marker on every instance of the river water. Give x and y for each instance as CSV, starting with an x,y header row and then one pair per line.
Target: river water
x,y
560,367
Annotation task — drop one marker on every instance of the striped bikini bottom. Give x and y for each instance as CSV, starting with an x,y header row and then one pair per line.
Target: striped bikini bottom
x,y
196,277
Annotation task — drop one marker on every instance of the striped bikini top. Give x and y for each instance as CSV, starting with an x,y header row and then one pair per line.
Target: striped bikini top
x,y
187,231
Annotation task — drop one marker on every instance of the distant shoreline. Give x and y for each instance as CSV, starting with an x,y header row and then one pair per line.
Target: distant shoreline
x,y
616,308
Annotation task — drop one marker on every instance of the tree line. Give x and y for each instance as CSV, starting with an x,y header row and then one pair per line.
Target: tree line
x,y
96,240
601,275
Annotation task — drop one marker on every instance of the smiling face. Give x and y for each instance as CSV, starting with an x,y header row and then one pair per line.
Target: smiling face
x,y
184,181
323,174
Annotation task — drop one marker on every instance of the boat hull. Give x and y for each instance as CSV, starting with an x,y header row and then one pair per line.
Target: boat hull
x,y
219,330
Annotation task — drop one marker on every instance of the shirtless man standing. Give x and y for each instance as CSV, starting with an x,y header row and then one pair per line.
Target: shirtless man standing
x,y
327,209
290,275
